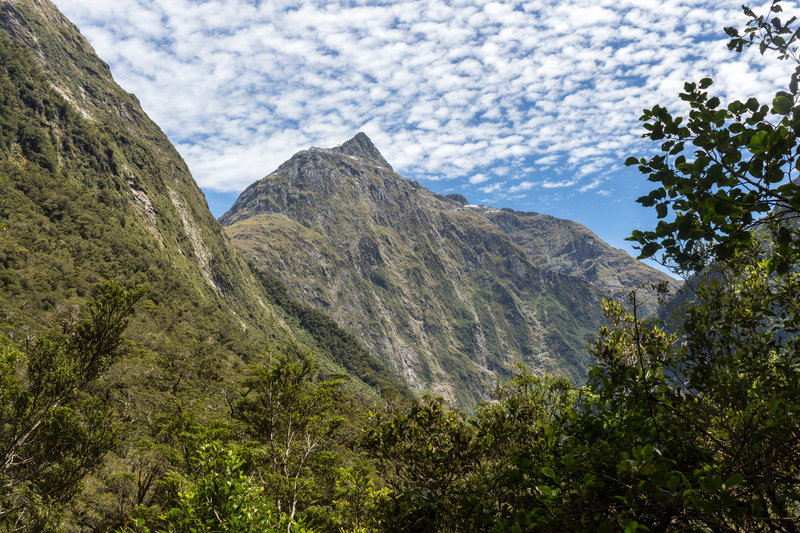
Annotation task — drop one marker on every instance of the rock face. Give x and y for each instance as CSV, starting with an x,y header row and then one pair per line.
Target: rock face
x,y
449,295
570,248
361,148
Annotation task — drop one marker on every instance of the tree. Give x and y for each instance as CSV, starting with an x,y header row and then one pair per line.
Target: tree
x,y
53,430
292,422
451,473
222,499
698,429
517,434
728,174
426,457
695,429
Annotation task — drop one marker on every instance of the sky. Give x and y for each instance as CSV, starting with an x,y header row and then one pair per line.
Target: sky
x,y
532,105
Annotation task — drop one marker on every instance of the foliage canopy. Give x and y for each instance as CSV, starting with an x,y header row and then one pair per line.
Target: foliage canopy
x,y
53,427
691,427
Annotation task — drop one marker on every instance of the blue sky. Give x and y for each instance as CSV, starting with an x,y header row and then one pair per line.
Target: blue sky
x,y
532,105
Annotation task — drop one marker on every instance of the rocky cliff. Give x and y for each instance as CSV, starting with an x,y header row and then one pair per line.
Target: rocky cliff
x,y
570,248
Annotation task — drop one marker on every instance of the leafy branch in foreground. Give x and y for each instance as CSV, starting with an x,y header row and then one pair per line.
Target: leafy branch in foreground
x,y
727,174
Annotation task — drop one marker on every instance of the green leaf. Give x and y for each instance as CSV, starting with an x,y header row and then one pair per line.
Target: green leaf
x,y
648,469
757,140
673,482
632,526
711,484
649,249
782,104
735,479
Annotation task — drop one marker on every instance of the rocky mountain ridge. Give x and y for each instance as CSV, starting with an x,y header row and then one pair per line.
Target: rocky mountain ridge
x,y
573,249
450,295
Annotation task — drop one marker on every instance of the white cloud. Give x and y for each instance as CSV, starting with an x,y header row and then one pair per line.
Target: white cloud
x,y
523,186
494,187
594,184
447,90
550,184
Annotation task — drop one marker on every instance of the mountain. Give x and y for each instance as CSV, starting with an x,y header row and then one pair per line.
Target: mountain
x,y
570,248
90,190
449,295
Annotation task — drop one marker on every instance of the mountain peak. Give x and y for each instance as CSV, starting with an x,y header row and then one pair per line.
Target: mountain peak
x,y
361,146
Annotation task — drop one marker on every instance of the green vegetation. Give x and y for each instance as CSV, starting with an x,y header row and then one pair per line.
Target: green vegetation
x,y
694,430
727,174
344,348
447,473
292,423
216,414
83,200
286,456
53,428
222,499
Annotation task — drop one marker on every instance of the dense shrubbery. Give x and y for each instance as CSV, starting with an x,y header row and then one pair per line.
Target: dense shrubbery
x,y
53,426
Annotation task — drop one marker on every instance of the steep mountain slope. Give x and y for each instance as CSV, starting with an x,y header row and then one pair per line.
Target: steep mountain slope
x,y
436,287
91,189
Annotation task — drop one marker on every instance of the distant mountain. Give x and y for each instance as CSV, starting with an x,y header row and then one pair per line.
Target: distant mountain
x,y
449,295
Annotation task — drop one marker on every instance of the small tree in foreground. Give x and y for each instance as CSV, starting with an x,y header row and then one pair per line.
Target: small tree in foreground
x,y
293,424
224,500
52,430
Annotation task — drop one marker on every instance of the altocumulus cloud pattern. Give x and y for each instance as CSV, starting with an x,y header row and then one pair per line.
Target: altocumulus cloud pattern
x,y
502,99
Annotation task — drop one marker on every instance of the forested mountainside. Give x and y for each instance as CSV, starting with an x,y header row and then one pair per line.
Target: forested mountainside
x,y
97,186
451,296
92,190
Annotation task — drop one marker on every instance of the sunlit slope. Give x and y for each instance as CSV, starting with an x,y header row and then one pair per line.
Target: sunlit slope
x,y
446,297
